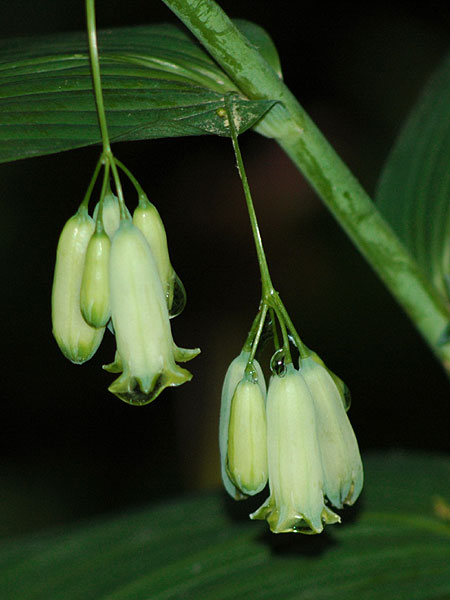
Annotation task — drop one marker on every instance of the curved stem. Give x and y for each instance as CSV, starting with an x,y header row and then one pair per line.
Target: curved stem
x,y
88,193
131,177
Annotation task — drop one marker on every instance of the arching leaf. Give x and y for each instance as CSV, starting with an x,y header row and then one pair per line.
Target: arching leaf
x,y
158,82
414,189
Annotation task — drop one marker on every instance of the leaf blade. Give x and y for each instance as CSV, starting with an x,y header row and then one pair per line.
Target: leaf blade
x,y
158,82
192,549
414,188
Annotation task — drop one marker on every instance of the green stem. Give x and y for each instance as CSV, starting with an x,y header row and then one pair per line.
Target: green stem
x,y
142,195
88,193
291,127
263,267
95,72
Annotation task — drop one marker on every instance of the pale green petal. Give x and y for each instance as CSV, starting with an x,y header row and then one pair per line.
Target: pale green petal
x,y
185,354
341,460
116,366
147,219
247,439
94,294
77,339
141,320
233,376
296,502
139,391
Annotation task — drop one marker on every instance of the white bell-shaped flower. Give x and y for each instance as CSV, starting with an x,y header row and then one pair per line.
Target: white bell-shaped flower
x,y
94,294
141,321
147,218
296,502
76,338
235,373
341,460
247,443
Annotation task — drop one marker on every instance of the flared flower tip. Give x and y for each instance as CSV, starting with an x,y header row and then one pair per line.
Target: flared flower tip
x,y
296,502
138,391
77,339
341,460
247,445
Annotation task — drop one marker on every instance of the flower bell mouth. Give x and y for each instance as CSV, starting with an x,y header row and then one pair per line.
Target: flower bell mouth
x,y
296,503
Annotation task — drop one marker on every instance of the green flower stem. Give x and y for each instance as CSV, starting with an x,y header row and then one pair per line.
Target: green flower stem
x,y
88,193
291,127
270,297
262,319
264,269
107,157
95,72
132,178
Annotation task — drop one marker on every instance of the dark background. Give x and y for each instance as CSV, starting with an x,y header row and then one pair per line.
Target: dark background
x,y
68,448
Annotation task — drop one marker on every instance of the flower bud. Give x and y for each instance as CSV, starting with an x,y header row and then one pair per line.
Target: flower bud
x,y
141,321
94,294
247,444
296,502
110,214
147,219
341,461
234,375
77,340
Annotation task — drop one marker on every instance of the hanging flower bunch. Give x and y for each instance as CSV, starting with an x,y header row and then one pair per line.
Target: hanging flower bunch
x,y
113,270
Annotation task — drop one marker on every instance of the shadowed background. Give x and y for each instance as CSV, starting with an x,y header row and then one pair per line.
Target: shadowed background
x,y
69,449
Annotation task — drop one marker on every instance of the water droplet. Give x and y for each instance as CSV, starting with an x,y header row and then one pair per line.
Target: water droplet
x,y
251,373
277,363
178,302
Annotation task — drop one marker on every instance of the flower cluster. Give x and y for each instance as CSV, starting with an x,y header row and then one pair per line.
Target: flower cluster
x,y
298,437
113,270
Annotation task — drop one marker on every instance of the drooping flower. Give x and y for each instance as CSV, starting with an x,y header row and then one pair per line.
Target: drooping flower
x,y
110,213
94,293
247,443
141,321
341,460
147,218
296,502
235,374
76,338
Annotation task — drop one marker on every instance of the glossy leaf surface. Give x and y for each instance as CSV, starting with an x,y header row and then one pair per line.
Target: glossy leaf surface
x,y
158,82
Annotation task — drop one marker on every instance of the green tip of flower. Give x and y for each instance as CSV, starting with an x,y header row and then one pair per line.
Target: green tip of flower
x,y
143,390
184,354
289,521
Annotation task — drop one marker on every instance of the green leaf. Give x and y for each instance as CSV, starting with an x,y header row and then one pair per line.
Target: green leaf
x,y
158,82
414,189
396,546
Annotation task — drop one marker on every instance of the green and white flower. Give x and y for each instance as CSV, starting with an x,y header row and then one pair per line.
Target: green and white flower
x,y
94,294
235,374
341,460
141,321
296,502
146,217
247,443
76,338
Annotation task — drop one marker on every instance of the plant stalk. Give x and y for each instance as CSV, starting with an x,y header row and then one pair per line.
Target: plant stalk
x,y
291,127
